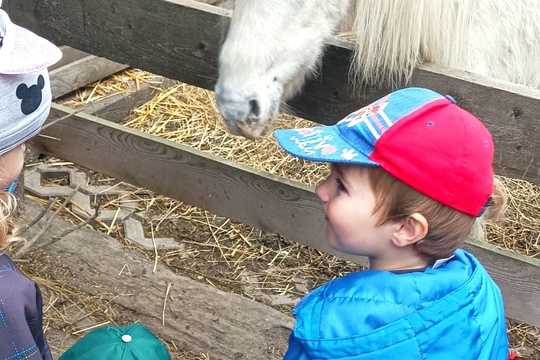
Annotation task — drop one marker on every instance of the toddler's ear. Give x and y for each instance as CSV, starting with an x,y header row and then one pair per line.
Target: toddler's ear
x,y
413,229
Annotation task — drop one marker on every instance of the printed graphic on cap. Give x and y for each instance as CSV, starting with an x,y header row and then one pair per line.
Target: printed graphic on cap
x,y
370,117
311,141
31,96
371,120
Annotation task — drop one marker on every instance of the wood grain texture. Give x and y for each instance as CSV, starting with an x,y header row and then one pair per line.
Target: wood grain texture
x,y
69,55
238,192
179,40
81,72
183,173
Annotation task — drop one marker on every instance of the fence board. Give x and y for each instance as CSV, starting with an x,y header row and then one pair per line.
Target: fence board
x,y
69,55
181,172
177,41
207,320
81,73
120,105
253,197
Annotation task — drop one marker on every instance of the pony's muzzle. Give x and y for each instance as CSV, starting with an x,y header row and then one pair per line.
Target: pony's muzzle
x,y
242,118
251,127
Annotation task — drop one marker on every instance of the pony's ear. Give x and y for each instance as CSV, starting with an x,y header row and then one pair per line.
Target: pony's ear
x,y
413,229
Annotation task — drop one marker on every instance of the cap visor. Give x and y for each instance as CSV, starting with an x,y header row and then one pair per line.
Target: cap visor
x,y
323,144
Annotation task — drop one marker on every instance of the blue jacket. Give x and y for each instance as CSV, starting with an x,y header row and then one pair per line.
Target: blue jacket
x,y
454,311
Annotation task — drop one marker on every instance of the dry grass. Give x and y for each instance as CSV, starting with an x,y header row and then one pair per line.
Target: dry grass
x,y
520,231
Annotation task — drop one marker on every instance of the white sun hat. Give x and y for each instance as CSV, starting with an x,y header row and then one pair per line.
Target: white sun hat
x,y
22,51
25,91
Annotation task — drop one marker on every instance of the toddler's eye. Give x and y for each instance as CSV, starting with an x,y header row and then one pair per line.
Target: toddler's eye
x,y
340,185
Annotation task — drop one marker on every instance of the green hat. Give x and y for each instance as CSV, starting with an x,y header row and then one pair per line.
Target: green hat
x,y
133,342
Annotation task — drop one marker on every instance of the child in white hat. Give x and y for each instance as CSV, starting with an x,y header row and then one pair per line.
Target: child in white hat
x,y
25,101
410,173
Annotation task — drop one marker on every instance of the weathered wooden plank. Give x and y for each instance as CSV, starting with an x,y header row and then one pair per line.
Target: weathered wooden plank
x,y
180,39
80,73
207,320
256,198
69,55
118,106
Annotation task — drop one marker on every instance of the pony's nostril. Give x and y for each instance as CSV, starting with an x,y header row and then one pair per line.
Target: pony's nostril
x,y
255,108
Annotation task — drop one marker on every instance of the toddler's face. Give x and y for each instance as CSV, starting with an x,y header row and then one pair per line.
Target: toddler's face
x,y
11,165
348,204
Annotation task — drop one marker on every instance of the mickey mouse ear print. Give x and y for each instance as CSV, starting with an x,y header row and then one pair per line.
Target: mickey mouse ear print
x,y
22,51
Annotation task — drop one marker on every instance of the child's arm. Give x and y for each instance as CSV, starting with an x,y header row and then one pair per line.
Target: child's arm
x,y
21,334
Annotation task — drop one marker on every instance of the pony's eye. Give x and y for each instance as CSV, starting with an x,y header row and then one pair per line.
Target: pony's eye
x,y
275,78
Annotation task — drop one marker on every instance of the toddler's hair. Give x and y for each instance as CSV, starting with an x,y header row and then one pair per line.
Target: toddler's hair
x,y
447,228
8,203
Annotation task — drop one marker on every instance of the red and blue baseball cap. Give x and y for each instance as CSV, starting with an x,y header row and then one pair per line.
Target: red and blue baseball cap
x,y
417,135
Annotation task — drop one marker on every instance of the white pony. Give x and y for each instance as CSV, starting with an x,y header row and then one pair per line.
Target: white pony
x,y
272,45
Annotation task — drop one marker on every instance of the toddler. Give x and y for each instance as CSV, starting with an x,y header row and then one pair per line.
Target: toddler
x,y
410,173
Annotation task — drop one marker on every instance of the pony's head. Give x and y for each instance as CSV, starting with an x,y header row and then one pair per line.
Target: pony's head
x,y
268,50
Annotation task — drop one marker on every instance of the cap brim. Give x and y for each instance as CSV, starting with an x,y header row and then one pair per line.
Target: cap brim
x,y
22,51
324,144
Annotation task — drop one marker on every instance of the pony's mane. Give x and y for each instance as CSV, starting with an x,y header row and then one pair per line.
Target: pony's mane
x,y
499,38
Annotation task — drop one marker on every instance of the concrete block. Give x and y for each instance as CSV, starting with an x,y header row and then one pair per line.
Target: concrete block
x,y
135,234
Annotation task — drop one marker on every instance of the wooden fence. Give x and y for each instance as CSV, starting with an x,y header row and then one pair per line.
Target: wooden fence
x,y
179,39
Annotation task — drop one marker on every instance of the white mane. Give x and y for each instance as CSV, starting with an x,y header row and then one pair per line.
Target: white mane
x,y
272,45
497,38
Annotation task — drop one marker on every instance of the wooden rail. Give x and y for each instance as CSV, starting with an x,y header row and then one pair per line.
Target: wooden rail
x,y
180,39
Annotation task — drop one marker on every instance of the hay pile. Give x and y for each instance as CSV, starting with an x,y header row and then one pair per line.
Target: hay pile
x,y
279,271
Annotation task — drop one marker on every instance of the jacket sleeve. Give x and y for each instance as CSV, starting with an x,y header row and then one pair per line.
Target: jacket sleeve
x,y
21,333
